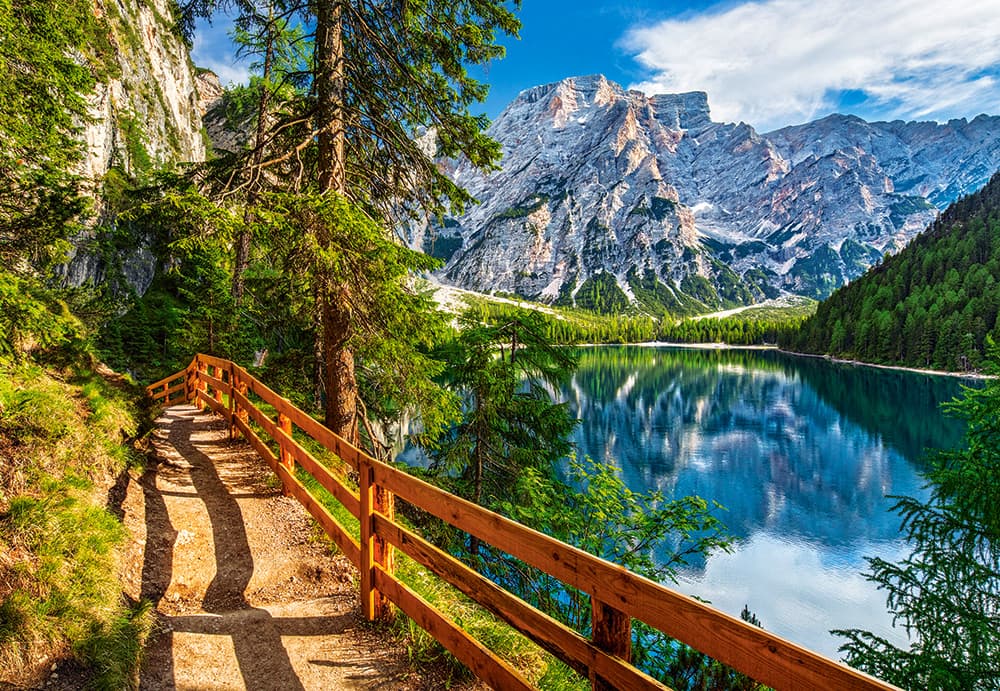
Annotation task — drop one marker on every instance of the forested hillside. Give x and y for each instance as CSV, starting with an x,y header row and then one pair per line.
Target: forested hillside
x,y
932,305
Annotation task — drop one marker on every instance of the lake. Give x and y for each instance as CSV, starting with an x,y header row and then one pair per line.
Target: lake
x,y
801,452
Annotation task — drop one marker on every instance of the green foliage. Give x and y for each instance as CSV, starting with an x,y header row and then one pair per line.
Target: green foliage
x,y
932,305
115,649
392,325
189,306
279,50
405,70
68,591
509,422
657,299
701,289
601,294
59,590
335,165
504,454
755,326
818,274
184,311
32,318
51,54
946,594
595,511
138,156
644,532
749,329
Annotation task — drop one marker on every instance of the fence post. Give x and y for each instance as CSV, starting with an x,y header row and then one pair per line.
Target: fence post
x,y
611,632
382,551
218,392
374,550
244,388
284,455
202,385
233,409
191,381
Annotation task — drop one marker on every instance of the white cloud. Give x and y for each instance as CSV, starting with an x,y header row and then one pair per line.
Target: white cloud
x,y
778,62
213,49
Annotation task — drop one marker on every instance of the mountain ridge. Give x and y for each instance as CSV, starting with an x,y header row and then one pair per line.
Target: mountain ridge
x,y
607,190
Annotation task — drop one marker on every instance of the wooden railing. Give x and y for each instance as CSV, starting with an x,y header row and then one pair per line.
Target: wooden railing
x,y
617,595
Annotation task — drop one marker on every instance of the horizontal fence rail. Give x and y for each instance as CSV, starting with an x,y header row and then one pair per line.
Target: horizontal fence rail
x,y
617,595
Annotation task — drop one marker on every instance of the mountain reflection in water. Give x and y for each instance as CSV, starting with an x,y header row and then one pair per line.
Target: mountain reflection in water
x,y
801,452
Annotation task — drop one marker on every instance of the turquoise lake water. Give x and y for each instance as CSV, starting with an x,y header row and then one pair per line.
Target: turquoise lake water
x,y
803,454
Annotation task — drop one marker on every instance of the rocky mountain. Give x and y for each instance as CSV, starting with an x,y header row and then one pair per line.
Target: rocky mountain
x,y
146,116
606,196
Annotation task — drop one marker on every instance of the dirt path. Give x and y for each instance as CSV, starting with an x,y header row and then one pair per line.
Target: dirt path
x,y
245,596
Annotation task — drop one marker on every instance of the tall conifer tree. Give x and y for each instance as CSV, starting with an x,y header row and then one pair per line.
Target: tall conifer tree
x,y
385,75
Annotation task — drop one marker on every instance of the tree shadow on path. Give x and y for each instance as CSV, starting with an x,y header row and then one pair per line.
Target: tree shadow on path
x,y
255,634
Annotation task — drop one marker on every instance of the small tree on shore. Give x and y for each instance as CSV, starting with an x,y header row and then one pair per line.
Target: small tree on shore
x,y
946,594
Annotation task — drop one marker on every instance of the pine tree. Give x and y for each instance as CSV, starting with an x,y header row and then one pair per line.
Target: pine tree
x,y
946,594
51,56
510,421
382,74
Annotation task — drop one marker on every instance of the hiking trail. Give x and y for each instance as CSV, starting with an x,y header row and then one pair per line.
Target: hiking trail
x,y
247,595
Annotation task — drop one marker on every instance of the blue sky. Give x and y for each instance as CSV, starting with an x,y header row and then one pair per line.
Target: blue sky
x,y
770,63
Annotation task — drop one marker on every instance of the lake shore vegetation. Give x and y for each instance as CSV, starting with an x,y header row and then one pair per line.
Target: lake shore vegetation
x,y
931,306
946,593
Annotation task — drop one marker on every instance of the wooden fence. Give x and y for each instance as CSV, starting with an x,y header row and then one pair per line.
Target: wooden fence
x,y
617,595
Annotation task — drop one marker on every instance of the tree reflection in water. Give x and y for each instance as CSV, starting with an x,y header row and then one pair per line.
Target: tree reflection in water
x,y
801,451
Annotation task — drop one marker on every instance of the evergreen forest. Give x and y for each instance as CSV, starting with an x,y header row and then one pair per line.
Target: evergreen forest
x,y
933,305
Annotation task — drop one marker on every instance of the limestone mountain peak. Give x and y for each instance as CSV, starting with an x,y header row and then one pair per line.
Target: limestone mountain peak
x,y
603,187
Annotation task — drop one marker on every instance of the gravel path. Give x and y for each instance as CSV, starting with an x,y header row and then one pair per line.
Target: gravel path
x,y
246,596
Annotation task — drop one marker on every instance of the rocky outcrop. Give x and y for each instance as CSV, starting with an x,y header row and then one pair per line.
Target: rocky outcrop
x,y
145,117
605,189
148,116
222,135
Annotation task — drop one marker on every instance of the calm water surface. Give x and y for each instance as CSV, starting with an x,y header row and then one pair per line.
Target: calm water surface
x,y
801,452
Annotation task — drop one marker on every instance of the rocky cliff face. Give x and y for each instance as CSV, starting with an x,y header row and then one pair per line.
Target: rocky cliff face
x,y
149,116
607,192
145,118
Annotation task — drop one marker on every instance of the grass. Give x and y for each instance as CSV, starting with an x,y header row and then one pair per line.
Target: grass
x,y
64,436
796,308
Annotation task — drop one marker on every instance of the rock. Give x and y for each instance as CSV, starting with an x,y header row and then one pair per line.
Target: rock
x,y
652,194
220,134
145,118
184,537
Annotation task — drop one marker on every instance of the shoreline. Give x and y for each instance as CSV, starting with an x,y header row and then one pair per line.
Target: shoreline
x,y
829,358
979,376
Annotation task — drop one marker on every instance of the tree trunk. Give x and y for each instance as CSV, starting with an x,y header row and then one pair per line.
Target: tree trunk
x,y
332,171
341,384
241,261
338,360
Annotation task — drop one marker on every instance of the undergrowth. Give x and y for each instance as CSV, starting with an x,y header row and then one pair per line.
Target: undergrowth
x,y
66,434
